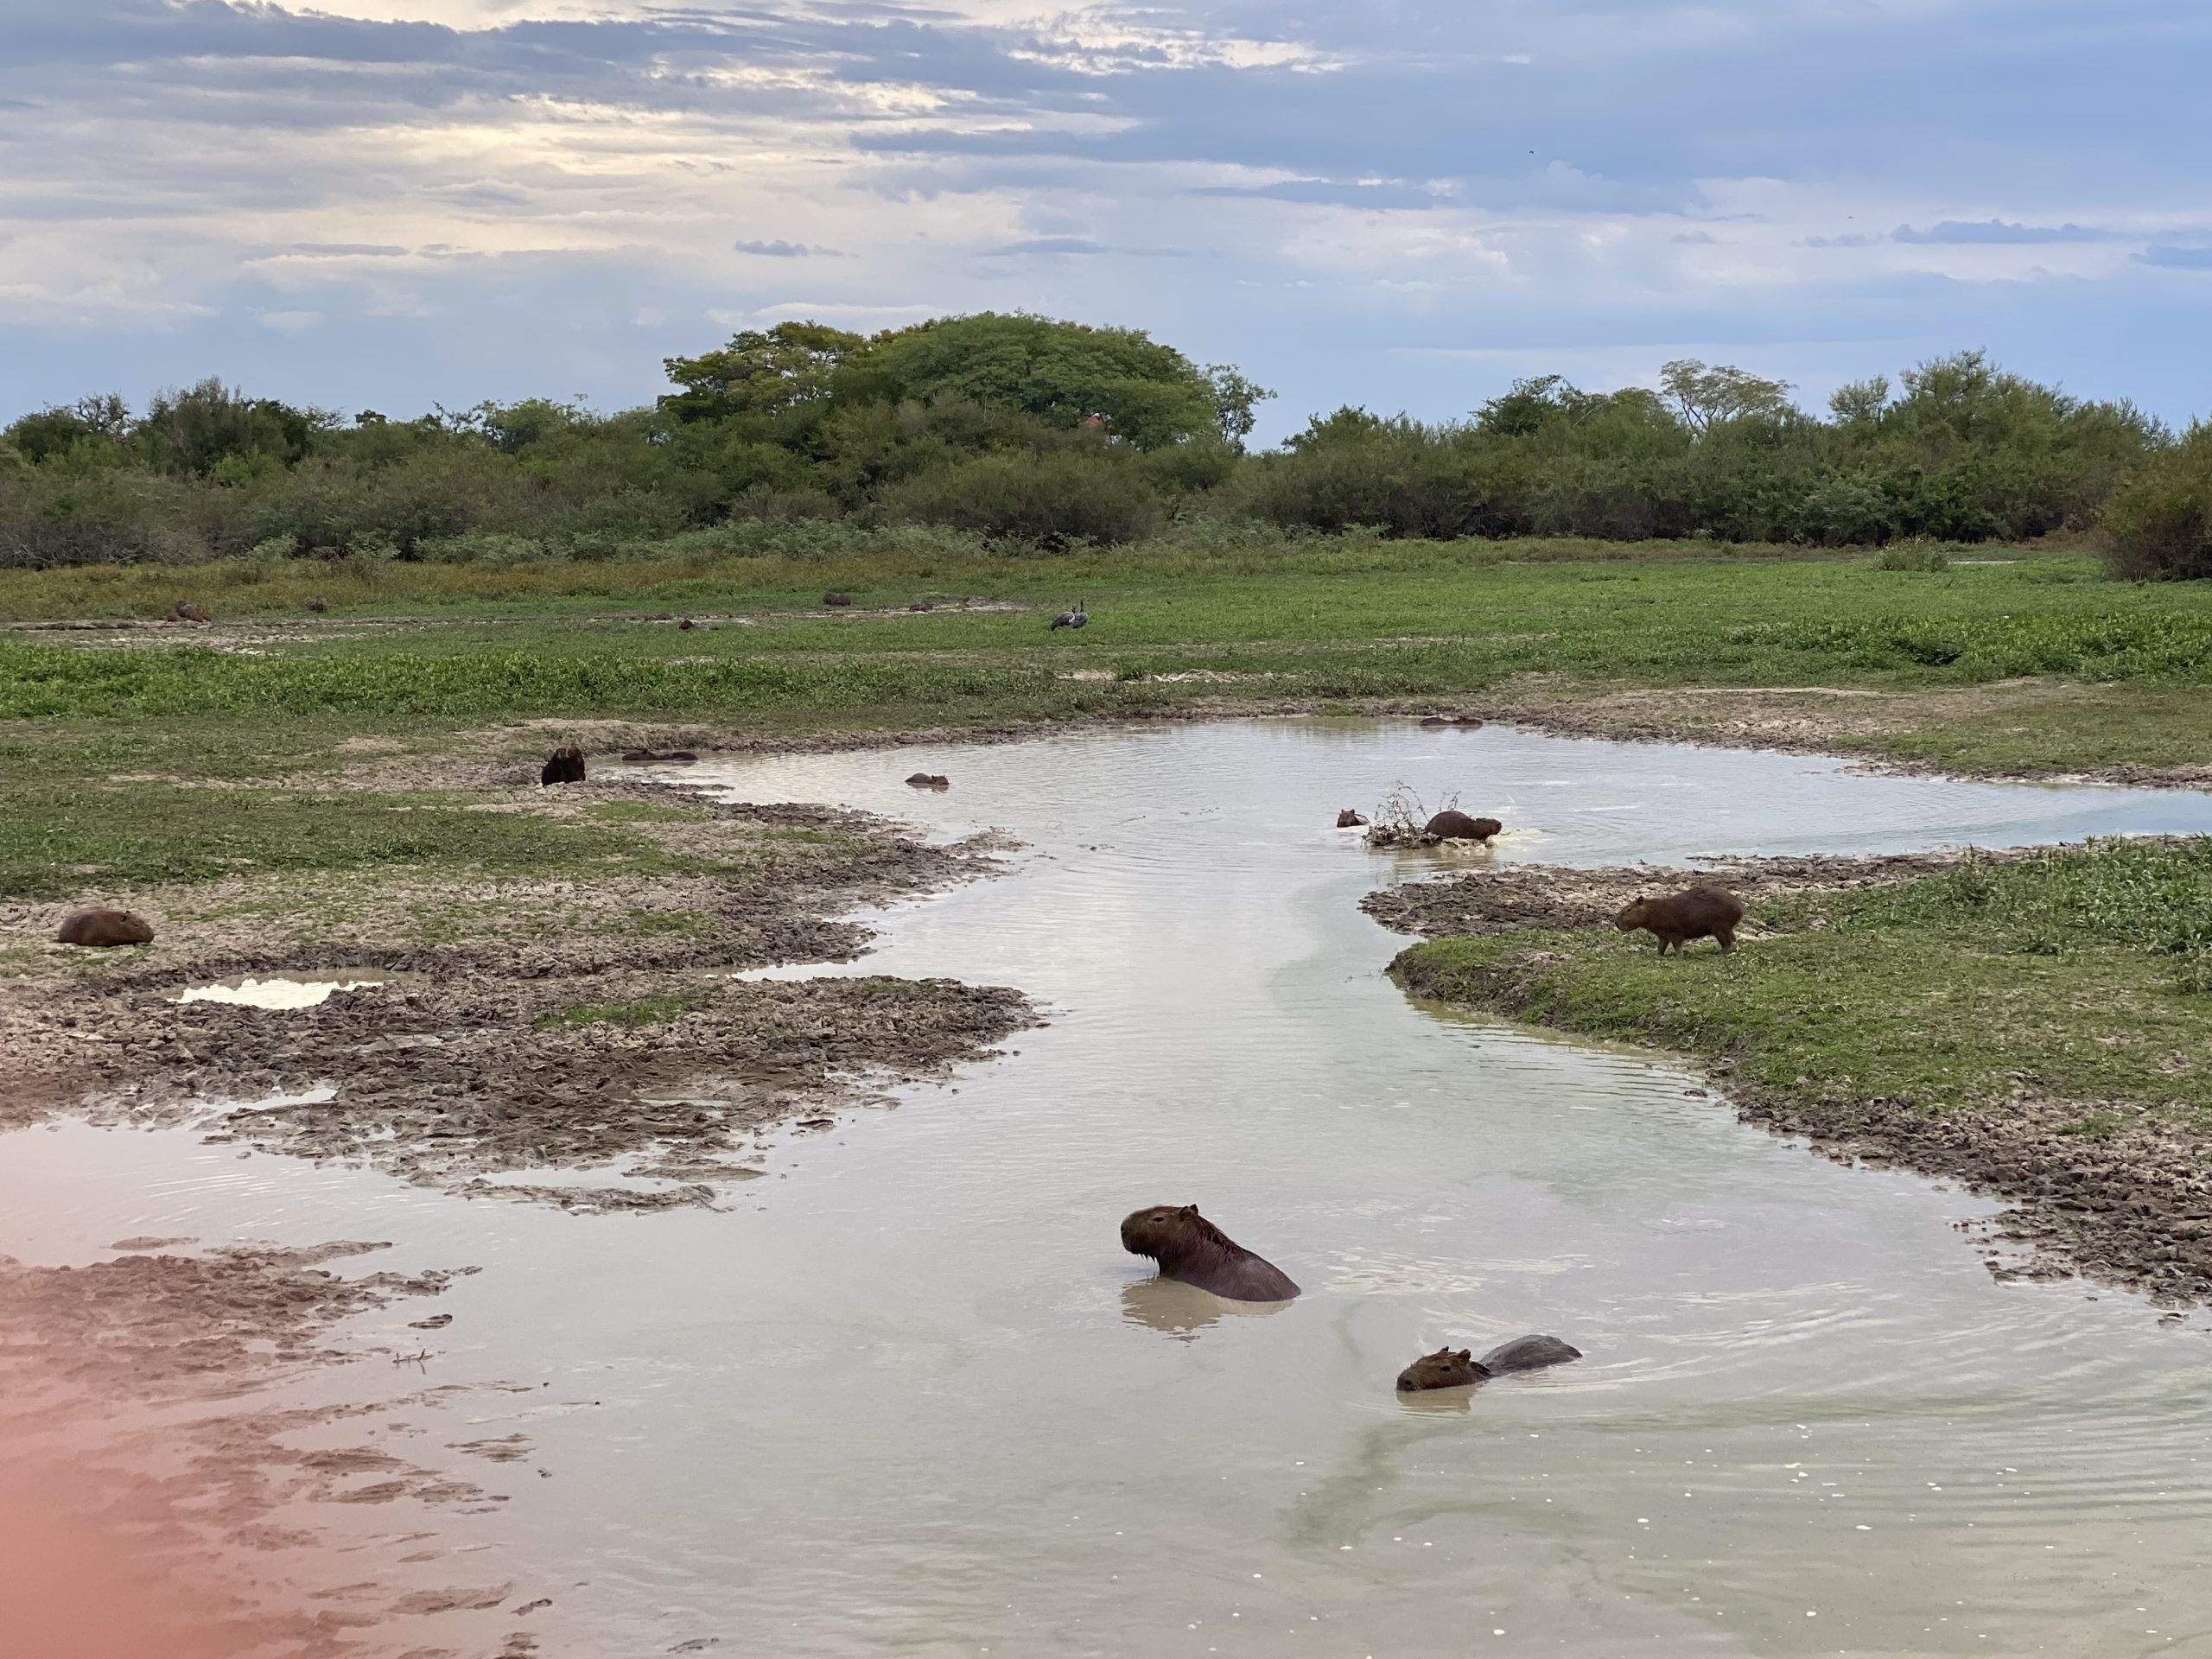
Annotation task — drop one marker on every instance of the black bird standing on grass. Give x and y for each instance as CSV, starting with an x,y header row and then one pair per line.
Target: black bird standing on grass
x,y
1078,618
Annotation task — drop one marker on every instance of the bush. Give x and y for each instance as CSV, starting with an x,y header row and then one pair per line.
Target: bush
x,y
1916,554
1084,494
2159,523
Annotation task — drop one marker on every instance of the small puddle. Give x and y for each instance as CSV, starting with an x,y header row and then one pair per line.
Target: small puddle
x,y
278,991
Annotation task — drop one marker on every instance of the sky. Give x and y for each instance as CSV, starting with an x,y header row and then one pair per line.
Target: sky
x,y
1399,204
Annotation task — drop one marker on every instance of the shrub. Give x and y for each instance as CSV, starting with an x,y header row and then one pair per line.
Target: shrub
x,y
2159,521
1916,554
1062,495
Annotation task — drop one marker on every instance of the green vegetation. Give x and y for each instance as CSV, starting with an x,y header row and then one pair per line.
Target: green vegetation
x,y
2161,517
645,1011
2085,973
968,434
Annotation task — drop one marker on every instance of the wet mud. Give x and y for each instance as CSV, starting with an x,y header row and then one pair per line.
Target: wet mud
x,y
571,1024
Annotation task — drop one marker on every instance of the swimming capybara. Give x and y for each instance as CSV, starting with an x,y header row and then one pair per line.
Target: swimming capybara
x,y
837,599
1349,819
929,780
659,758
101,928
1467,721
1190,1247
1448,1369
565,766
1700,913
1458,826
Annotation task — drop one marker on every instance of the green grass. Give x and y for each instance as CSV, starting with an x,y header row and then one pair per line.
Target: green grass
x,y
646,1011
2082,972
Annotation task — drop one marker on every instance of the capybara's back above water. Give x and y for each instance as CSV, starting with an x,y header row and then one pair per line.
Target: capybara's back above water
x,y
1458,826
1190,1247
1445,1369
102,928
1703,912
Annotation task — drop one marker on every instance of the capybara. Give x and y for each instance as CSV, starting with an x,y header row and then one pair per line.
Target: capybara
x,y
1458,826
318,606
101,928
686,625
1349,819
1190,1247
837,599
1700,913
930,781
186,611
1467,721
660,758
921,604
565,766
1448,1369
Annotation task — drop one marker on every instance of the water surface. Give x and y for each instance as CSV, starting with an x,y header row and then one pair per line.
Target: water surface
x,y
907,1398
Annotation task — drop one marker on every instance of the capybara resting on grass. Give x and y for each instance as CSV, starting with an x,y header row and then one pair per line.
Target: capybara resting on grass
x,y
1458,826
105,927
837,599
1190,1247
1703,912
565,766
186,611
1349,819
1445,1369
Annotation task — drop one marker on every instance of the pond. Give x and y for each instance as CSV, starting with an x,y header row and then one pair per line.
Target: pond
x,y
907,1396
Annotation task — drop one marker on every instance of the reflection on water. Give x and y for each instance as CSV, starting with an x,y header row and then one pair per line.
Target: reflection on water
x,y
909,1397
275,992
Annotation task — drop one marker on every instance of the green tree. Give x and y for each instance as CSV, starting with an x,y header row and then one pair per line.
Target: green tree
x,y
1705,397
760,373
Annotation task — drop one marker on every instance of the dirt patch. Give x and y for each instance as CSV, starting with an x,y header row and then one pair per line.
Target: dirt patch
x,y
1513,897
547,1024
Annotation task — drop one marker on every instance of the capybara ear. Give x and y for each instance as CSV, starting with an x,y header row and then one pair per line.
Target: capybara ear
x,y
1190,1209
1466,1353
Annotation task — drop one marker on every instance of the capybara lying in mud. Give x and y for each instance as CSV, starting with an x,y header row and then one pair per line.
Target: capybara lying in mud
x,y
1349,819
1190,1247
660,758
105,927
1445,1369
565,766
1458,826
929,780
1703,912
837,599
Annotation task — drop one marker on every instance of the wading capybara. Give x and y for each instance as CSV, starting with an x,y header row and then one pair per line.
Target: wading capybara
x,y
1448,1369
565,766
1703,912
1190,1247
101,928
837,599
1349,819
1458,826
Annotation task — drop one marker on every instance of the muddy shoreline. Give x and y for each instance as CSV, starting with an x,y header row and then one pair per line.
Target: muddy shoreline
x,y
2131,1208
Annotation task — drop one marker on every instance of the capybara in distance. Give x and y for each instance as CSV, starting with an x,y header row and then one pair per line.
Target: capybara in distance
x,y
837,599
1458,826
318,606
1190,1247
186,611
565,766
929,780
1349,819
1700,913
659,758
1446,1369
101,928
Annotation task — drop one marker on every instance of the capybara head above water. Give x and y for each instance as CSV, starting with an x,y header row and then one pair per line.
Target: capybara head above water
x,y
1445,1369
1190,1247
1703,912
1458,826
1348,819
101,928
565,766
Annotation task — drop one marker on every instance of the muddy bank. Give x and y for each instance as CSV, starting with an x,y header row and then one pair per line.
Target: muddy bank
x,y
549,1024
2115,1189
154,1497
1513,897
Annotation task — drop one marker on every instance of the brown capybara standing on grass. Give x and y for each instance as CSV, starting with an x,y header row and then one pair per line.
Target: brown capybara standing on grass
x,y
101,928
565,766
1445,1369
1458,826
1706,913
1190,1247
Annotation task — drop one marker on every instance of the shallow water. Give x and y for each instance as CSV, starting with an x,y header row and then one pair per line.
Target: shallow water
x,y
278,992
907,1396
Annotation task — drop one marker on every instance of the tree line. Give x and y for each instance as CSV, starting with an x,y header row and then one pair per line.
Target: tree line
x,y
1029,431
